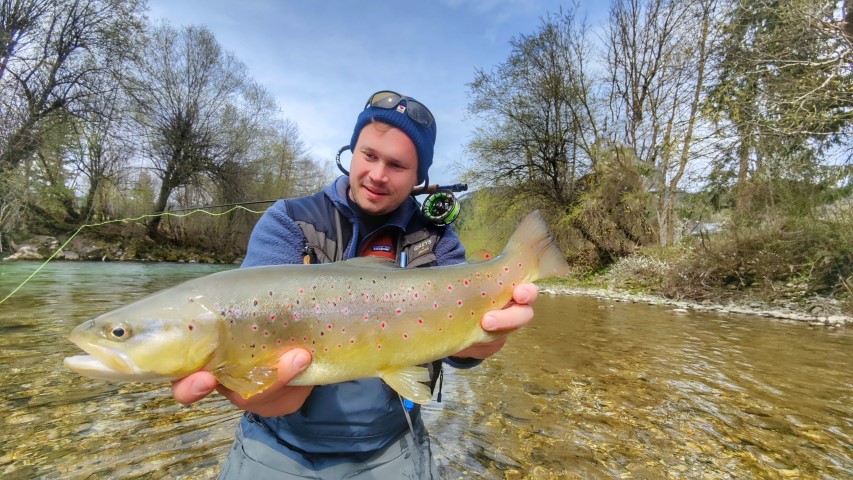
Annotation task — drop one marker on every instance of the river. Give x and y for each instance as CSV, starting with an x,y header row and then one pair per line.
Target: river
x,y
591,389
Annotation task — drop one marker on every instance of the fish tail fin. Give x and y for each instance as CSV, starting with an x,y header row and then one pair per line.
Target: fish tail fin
x,y
532,241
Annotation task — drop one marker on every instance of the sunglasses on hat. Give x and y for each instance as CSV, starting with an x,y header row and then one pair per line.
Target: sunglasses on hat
x,y
387,99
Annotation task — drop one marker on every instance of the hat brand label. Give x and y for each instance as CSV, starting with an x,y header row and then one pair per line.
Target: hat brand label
x,y
401,108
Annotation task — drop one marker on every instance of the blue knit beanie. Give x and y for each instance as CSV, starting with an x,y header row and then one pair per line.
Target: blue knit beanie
x,y
423,137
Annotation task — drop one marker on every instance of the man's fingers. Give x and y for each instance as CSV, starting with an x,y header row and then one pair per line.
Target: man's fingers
x,y
525,294
194,387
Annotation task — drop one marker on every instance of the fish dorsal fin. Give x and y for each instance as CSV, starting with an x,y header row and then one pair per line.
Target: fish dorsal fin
x,y
480,256
370,262
407,382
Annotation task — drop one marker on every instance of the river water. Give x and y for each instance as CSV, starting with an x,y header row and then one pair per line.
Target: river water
x,y
592,389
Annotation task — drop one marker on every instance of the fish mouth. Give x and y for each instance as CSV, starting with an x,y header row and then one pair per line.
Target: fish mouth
x,y
102,363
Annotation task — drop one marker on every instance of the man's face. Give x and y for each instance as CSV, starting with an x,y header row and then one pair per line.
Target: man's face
x,y
384,168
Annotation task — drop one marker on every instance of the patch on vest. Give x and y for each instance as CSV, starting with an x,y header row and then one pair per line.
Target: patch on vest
x,y
422,247
380,245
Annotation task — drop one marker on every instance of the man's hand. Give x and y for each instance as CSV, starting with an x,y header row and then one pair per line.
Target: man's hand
x,y
279,399
514,316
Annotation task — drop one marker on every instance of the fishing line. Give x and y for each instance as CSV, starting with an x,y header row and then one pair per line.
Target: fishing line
x,y
135,219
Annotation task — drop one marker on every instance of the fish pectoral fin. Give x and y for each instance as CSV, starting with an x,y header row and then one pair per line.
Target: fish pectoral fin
x,y
407,382
247,381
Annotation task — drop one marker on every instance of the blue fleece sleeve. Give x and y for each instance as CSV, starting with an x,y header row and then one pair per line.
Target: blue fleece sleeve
x,y
275,240
449,250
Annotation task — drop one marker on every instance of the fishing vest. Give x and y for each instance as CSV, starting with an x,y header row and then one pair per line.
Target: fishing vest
x,y
329,235
329,238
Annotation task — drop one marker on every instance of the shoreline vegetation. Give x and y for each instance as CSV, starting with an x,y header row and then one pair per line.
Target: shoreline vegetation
x,y
791,303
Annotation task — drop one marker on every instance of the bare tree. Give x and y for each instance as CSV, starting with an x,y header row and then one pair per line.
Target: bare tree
x,y
539,130
51,57
101,151
196,106
657,57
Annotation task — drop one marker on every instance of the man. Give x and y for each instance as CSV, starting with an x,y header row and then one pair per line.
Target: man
x,y
358,429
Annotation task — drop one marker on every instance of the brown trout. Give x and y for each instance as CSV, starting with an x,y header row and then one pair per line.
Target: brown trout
x,y
360,318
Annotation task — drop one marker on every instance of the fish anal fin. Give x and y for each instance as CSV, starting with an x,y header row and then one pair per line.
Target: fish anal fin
x,y
407,382
247,381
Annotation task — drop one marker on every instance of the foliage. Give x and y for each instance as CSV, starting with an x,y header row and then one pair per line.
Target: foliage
x,y
611,218
816,254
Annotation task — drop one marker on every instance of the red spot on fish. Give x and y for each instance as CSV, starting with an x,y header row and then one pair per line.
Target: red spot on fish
x,y
449,315
286,324
326,349
304,339
500,283
266,333
343,330
506,269
450,288
366,317
301,291
477,274
459,303
482,294
420,321
519,265
398,311
405,336
351,341
383,325
190,327
465,282
255,328
272,317
263,347
435,305
329,326
292,339
278,342
345,311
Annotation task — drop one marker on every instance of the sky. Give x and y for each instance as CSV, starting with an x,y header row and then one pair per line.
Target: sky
x,y
322,60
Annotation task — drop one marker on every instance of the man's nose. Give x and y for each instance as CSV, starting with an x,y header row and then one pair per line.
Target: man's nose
x,y
379,172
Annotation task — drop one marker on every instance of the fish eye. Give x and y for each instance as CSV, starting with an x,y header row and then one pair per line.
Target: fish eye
x,y
118,332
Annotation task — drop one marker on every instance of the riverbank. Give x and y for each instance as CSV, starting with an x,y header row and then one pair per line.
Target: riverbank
x,y
817,312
